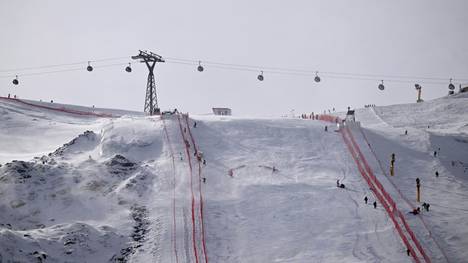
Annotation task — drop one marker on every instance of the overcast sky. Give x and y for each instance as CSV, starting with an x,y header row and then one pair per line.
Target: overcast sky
x,y
395,37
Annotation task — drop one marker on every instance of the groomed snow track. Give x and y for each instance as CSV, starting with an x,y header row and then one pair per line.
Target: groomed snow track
x,y
404,231
189,146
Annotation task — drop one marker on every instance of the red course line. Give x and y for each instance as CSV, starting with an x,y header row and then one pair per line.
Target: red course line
x,y
375,185
389,199
191,188
401,194
378,195
77,112
174,226
200,191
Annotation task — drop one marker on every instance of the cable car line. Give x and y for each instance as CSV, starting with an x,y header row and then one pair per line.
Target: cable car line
x,y
64,64
256,68
312,74
63,70
237,67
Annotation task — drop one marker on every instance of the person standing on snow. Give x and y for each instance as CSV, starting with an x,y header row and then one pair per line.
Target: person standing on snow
x,y
375,204
366,199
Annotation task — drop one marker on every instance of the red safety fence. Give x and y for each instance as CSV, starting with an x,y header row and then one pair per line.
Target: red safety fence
x,y
380,198
388,198
383,197
202,223
402,195
189,159
329,118
381,194
174,224
62,109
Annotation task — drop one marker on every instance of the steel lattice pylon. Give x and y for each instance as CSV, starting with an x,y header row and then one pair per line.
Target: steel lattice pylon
x,y
151,99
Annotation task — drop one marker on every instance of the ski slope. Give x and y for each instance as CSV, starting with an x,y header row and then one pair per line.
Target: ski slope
x,y
432,125
129,188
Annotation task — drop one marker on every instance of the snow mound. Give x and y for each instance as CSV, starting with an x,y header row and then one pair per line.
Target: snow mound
x,y
84,142
76,242
137,139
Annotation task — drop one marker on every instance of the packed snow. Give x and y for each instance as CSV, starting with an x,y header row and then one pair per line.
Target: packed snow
x,y
135,188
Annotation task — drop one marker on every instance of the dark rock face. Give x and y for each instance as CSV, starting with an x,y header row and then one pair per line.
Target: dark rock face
x,y
140,229
19,171
120,160
119,165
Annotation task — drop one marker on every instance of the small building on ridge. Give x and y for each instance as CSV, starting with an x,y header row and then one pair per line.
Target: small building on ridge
x,y
222,111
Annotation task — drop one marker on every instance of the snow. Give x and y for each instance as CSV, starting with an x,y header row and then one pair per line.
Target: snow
x,y
77,188
447,119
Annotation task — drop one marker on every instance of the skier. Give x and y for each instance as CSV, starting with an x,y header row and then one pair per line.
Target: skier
x,y
338,183
204,162
204,180
406,132
437,173
326,128
416,211
375,204
408,251
366,199
426,206
194,124
342,186
435,153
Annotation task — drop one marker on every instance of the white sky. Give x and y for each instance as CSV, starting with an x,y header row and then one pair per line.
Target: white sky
x,y
391,37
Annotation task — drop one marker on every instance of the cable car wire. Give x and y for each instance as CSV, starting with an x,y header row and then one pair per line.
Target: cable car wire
x,y
241,67
63,65
63,70
311,74
257,68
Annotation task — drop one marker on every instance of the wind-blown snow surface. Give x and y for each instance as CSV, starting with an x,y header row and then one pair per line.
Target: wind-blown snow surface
x,y
98,189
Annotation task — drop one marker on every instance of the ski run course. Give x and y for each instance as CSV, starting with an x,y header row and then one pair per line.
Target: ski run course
x,y
81,184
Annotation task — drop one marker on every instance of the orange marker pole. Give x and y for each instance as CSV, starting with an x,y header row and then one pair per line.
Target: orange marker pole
x,y
418,190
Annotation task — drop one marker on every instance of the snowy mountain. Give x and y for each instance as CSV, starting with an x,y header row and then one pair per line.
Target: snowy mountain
x,y
79,184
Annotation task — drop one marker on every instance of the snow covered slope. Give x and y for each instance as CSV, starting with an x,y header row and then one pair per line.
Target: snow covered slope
x,y
28,130
134,189
437,141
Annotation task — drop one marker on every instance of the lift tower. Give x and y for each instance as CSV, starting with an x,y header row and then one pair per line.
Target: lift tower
x,y
151,100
